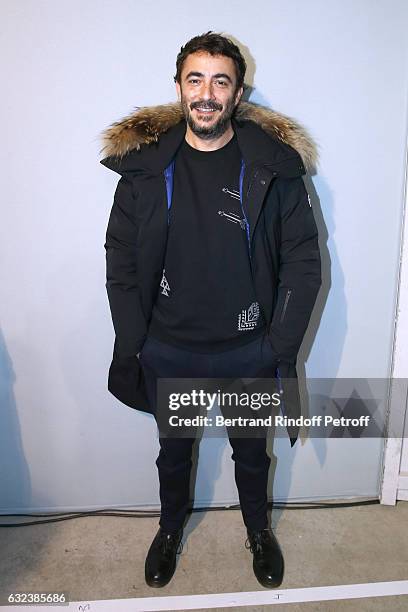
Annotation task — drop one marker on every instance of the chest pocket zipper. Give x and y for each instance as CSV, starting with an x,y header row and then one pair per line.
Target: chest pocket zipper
x,y
285,305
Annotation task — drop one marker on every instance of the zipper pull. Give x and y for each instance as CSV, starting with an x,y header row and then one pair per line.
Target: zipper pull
x,y
285,305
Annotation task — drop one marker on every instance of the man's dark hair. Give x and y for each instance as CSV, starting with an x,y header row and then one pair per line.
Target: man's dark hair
x,y
214,44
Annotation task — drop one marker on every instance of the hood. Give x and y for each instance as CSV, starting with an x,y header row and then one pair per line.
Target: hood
x,y
150,135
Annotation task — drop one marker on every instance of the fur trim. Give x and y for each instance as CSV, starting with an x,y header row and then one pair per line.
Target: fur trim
x,y
145,124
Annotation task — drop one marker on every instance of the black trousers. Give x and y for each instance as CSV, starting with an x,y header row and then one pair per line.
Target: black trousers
x,y
174,462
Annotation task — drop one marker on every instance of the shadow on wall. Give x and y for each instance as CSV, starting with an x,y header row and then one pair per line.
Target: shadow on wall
x,y
20,556
15,486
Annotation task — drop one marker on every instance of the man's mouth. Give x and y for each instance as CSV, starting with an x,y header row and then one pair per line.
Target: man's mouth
x,y
200,109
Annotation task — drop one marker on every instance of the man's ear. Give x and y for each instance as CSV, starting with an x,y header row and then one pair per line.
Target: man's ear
x,y
238,95
178,90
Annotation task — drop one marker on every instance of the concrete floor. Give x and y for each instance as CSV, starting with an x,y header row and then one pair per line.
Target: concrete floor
x,y
103,557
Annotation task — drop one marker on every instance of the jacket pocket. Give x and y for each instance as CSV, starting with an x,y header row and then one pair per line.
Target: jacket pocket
x,y
285,305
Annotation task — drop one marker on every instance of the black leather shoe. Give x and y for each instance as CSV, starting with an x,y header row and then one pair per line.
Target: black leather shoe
x,y
268,559
161,559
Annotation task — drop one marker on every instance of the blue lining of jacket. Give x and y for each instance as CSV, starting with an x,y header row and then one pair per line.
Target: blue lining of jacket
x,y
169,177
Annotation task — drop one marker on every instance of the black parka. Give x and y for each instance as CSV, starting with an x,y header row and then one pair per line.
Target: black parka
x,y
284,249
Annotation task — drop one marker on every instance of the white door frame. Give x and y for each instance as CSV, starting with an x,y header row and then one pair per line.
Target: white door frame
x,y
397,402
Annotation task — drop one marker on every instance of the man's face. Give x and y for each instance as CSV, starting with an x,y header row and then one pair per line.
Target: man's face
x,y
208,95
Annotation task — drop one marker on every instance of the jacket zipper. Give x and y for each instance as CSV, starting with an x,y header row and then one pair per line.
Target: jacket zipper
x,y
285,305
241,199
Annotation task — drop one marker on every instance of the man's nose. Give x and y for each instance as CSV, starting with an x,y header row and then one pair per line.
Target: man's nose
x,y
207,91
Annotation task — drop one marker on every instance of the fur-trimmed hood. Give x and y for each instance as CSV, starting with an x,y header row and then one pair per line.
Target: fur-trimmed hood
x,y
146,125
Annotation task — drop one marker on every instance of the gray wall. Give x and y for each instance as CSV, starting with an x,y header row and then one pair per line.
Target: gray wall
x,y
72,68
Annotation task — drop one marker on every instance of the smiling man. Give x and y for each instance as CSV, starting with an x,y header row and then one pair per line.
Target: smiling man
x,y
209,93
213,268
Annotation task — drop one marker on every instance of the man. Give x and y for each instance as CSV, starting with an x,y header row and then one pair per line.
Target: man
x,y
213,268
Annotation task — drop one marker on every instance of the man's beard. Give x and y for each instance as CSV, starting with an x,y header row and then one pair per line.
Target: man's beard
x,y
216,129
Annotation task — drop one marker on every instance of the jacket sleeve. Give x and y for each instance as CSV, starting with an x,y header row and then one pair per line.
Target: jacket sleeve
x,y
299,270
122,265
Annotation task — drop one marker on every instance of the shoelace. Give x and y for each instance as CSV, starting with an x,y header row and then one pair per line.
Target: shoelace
x,y
166,543
257,541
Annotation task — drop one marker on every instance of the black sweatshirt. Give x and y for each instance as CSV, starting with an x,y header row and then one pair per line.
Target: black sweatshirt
x,y
206,300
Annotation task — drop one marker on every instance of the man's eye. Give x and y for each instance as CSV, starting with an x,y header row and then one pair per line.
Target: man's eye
x,y
222,83
193,80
